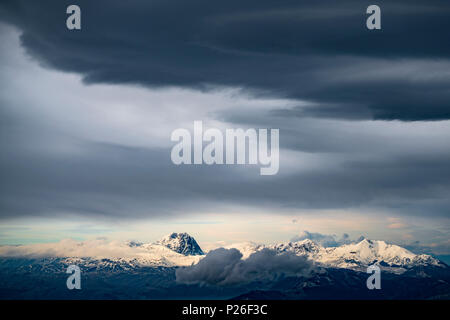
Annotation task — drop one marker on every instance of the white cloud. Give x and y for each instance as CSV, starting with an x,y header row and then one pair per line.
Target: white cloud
x,y
226,267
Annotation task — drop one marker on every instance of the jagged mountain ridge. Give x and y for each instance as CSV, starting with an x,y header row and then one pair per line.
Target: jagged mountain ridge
x,y
355,256
181,249
134,270
182,243
176,249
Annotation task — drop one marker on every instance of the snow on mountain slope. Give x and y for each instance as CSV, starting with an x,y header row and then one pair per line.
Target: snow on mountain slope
x,y
246,248
356,256
180,249
111,254
147,255
303,247
181,243
366,252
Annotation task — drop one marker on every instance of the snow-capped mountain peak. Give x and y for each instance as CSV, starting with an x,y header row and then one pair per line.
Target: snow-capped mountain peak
x,y
306,246
367,252
357,256
174,250
180,249
182,243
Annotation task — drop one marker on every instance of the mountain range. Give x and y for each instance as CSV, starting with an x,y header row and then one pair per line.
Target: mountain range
x,y
356,256
115,270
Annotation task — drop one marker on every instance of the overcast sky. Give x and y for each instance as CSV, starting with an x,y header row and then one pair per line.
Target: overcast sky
x,y
364,116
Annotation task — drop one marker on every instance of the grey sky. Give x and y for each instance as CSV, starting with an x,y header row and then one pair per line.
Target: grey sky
x,y
86,117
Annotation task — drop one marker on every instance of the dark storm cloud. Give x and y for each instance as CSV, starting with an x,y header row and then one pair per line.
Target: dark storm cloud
x,y
321,55
115,182
298,49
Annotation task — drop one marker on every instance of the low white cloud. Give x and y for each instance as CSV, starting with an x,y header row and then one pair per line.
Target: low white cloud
x,y
325,240
100,248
